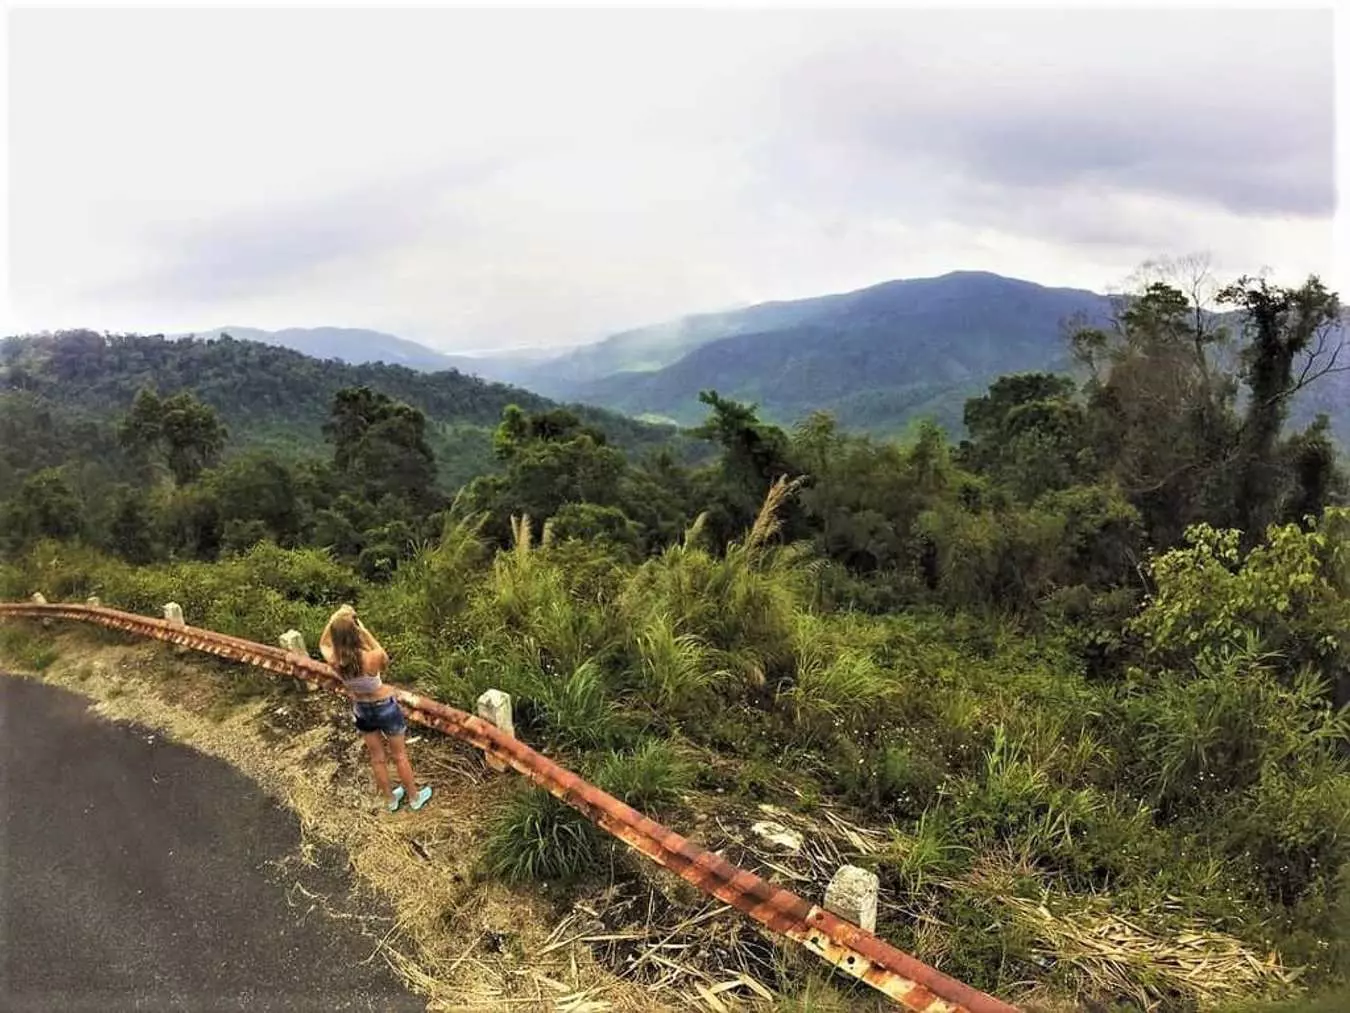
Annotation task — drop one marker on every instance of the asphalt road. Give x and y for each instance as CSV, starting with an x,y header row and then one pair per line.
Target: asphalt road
x,y
133,876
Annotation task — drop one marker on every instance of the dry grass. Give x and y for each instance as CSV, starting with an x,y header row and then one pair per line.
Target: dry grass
x,y
769,521
1114,955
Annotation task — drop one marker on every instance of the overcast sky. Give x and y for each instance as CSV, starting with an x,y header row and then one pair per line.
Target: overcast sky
x,y
488,179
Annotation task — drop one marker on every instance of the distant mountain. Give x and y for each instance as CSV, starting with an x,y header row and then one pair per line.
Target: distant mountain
x,y
349,344
647,349
876,358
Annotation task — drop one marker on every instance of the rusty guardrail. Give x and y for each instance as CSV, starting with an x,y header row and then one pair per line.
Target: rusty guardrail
x,y
847,947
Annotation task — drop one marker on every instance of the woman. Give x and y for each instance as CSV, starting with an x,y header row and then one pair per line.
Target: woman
x,y
359,659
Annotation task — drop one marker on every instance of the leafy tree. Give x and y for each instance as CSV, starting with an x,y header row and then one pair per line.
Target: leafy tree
x,y
188,433
256,489
1284,327
193,437
1029,433
45,506
1291,593
1171,424
131,527
550,461
380,446
1160,408
754,456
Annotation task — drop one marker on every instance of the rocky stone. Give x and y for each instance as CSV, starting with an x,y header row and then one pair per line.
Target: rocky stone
x,y
781,837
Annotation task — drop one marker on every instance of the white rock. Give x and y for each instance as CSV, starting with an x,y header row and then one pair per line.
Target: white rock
x,y
852,895
173,612
778,835
93,601
39,598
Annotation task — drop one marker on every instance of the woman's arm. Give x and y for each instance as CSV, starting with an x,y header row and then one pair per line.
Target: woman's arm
x,y
326,642
368,641
375,657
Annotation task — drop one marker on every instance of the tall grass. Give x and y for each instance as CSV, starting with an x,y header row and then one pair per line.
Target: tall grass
x,y
650,777
536,837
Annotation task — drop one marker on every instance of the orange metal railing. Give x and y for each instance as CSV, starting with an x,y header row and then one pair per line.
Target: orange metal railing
x,y
849,948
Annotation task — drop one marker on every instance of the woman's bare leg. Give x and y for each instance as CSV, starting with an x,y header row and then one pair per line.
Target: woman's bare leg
x,y
404,766
379,763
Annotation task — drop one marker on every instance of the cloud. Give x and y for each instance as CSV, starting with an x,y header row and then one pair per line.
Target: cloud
x,y
1231,108
475,178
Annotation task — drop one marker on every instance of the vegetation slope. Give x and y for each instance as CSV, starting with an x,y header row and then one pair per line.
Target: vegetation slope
x,y
1083,675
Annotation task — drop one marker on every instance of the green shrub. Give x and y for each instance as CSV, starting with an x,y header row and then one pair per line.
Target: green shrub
x,y
577,709
536,837
23,645
676,669
932,852
649,778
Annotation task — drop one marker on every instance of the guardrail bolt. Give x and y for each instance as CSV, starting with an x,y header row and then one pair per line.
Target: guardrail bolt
x,y
494,706
852,895
173,612
93,602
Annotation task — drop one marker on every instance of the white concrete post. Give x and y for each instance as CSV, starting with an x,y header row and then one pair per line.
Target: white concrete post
x,y
173,612
852,895
93,602
39,598
294,642
494,706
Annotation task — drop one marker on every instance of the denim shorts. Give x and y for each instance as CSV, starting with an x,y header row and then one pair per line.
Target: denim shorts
x,y
380,716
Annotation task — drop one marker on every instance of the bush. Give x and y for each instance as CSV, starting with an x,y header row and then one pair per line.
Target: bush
x,y
676,669
536,837
649,778
576,708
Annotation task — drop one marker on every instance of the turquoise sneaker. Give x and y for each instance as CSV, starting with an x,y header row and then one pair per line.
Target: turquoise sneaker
x,y
398,797
421,798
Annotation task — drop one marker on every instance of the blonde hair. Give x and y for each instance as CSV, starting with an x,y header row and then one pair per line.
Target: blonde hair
x,y
346,645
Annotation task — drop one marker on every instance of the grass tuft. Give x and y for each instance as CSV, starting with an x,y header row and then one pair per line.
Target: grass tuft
x,y
649,778
536,837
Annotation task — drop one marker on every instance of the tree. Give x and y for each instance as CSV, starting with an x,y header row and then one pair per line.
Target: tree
x,y
380,448
188,433
44,507
193,437
1285,328
257,489
754,456
550,460
131,528
1029,433
1160,408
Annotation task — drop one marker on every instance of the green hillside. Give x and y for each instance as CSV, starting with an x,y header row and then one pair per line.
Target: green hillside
x,y
269,396
878,359
1081,677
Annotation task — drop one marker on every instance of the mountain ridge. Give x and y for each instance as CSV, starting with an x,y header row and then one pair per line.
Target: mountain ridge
x,y
876,357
